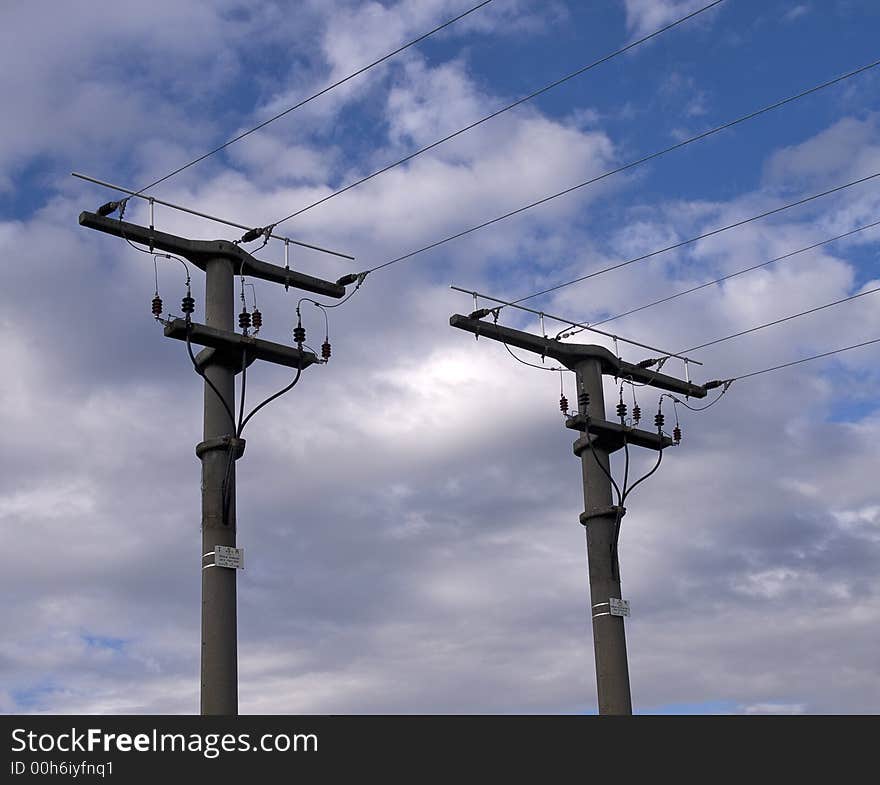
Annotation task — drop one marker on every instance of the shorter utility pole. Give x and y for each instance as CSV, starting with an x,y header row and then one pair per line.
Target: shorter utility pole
x,y
601,516
226,354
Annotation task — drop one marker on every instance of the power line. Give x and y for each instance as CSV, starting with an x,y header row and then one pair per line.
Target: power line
x,y
727,382
702,236
804,360
315,95
590,326
729,276
780,321
501,111
625,167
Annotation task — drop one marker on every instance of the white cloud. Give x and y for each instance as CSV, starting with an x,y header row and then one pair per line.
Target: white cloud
x,y
646,16
796,11
410,510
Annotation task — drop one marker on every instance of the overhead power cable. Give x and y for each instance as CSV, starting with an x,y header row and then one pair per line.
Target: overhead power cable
x,y
501,111
780,321
625,167
702,236
312,97
804,360
727,277
590,326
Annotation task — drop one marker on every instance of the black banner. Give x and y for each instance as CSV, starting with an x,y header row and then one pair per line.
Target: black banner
x,y
130,749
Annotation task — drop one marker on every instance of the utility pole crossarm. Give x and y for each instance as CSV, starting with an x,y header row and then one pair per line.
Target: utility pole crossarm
x,y
199,252
234,345
571,355
610,436
601,518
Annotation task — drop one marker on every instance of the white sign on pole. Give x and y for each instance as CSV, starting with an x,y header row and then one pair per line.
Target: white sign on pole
x,y
618,607
232,558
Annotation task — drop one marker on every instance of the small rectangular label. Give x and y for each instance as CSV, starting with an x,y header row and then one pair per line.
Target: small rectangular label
x,y
618,607
232,558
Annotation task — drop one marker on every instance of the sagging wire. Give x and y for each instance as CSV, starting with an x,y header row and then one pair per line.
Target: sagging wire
x,y
725,386
351,278
246,321
480,313
156,305
201,372
621,413
642,479
187,304
273,397
345,280
227,485
244,318
583,403
111,207
626,489
256,316
563,401
300,331
676,402
676,431
554,369
299,336
637,410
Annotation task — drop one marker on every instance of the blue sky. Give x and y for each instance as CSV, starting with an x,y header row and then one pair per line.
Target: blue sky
x,y
410,511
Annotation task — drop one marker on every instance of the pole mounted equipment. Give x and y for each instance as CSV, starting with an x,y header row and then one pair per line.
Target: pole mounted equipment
x,y
602,516
225,354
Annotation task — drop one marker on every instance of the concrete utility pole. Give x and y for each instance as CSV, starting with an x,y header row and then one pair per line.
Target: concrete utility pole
x,y
601,516
226,353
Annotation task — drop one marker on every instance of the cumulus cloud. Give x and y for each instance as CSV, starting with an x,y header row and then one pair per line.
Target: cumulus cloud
x,y
410,510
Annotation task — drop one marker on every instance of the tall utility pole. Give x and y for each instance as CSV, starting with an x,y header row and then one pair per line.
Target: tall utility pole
x,y
601,516
226,354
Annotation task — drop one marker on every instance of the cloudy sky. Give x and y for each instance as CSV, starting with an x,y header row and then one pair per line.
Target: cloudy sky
x,y
410,511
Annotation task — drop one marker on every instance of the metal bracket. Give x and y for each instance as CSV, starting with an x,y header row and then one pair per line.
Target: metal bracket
x,y
208,357
602,512
224,443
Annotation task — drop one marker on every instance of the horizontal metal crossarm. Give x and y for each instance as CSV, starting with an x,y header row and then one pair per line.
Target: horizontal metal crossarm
x,y
610,436
200,251
571,354
232,345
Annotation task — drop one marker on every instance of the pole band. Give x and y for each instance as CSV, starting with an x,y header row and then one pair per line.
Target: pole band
x,y
602,512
